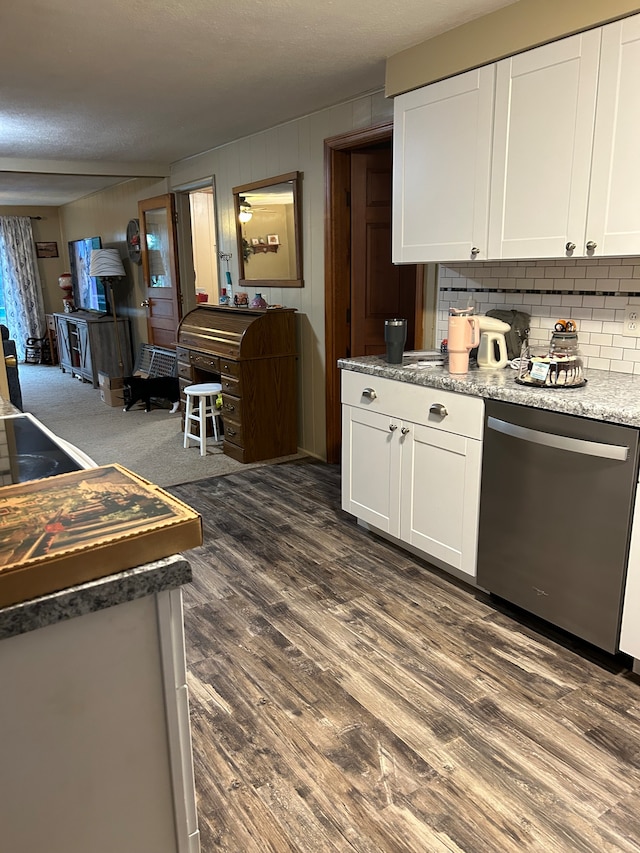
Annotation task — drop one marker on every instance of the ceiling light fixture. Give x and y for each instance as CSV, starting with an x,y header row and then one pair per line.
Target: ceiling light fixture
x,y
245,211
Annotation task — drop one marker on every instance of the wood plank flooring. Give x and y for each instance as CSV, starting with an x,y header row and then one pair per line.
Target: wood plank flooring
x,y
345,696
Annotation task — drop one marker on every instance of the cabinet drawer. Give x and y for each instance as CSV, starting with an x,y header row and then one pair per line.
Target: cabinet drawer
x,y
184,370
463,415
231,407
230,385
229,367
205,362
233,431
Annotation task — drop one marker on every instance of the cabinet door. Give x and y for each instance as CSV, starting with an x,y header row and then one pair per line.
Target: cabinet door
x,y
630,630
84,351
371,468
64,345
544,119
613,222
441,495
441,162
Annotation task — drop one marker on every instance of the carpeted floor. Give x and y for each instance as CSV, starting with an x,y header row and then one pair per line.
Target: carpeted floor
x,y
148,443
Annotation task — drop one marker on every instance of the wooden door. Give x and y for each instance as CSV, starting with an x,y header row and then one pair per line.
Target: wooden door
x,y
160,269
613,221
544,119
379,289
442,158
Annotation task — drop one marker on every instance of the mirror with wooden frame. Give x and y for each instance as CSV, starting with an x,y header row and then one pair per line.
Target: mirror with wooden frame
x,y
268,232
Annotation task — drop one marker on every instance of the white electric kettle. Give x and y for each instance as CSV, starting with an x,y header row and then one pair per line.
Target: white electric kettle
x,y
492,351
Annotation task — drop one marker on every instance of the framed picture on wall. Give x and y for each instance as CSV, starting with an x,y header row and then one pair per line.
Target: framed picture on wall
x,y
273,240
47,250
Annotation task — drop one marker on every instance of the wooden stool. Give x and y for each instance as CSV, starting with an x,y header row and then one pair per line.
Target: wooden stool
x,y
201,404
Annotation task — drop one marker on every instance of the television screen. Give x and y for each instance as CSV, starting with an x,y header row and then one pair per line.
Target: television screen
x,y
89,293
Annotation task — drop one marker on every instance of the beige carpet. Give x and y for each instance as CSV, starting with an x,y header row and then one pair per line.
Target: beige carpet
x,y
148,443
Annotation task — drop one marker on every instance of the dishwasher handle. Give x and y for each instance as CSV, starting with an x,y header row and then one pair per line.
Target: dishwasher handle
x,y
561,442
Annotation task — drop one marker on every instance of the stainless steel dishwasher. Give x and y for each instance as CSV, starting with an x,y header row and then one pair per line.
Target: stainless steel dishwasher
x,y
555,515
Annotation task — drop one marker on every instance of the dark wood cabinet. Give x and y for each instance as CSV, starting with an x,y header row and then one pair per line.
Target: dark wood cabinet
x,y
87,344
252,353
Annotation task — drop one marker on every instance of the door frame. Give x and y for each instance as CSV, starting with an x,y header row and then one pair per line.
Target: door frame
x,y
337,266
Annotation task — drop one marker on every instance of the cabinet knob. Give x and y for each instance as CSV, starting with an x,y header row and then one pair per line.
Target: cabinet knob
x,y
370,393
230,407
591,246
144,303
475,251
438,409
570,247
404,430
393,427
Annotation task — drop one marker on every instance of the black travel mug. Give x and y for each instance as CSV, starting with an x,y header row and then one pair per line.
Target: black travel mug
x,y
395,336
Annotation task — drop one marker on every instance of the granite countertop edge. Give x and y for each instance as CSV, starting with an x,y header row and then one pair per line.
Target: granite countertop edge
x,y
99,594
607,396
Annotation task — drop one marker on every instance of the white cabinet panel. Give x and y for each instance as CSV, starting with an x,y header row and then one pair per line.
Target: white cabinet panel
x,y
417,482
441,496
544,119
630,629
371,468
441,162
614,208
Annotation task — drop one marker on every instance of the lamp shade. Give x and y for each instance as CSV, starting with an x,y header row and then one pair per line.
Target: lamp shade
x,y
106,263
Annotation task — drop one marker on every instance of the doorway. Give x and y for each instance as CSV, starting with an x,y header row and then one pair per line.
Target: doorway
x,y
362,286
198,244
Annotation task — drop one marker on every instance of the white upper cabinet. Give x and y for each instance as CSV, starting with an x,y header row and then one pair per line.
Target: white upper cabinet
x,y
613,221
442,156
548,169
544,118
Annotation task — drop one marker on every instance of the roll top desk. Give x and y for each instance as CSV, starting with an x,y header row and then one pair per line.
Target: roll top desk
x,y
252,353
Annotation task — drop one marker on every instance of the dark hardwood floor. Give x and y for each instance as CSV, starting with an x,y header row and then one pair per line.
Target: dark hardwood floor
x,y
347,697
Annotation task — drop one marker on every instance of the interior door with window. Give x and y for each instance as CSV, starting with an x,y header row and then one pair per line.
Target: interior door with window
x,y
163,299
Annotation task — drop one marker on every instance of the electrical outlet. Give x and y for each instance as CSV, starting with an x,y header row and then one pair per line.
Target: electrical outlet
x,y
631,327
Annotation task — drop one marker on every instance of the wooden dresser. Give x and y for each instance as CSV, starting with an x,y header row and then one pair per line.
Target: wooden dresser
x,y
252,353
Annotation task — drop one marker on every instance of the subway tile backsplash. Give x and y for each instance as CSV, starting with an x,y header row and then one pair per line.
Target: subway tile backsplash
x,y
593,292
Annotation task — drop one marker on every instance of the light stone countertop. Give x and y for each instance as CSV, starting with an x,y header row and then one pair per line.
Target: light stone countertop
x,y
607,396
98,594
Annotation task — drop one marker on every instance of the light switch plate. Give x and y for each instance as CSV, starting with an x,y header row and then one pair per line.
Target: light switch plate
x,y
631,327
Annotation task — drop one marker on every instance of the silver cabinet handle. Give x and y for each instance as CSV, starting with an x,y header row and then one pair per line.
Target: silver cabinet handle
x,y
475,251
591,246
404,430
570,247
438,409
393,427
370,393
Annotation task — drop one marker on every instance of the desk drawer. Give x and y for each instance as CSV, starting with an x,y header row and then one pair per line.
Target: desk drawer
x,y
230,385
184,370
233,431
231,407
229,367
203,361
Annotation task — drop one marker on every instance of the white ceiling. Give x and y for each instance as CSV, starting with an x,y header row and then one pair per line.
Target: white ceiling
x,y
94,92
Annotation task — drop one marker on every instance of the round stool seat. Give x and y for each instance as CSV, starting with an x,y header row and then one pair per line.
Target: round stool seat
x,y
201,404
204,388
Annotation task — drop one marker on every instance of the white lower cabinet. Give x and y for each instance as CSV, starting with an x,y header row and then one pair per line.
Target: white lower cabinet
x,y
411,460
630,629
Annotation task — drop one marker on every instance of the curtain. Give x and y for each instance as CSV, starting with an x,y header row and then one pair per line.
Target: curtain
x,y
21,281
